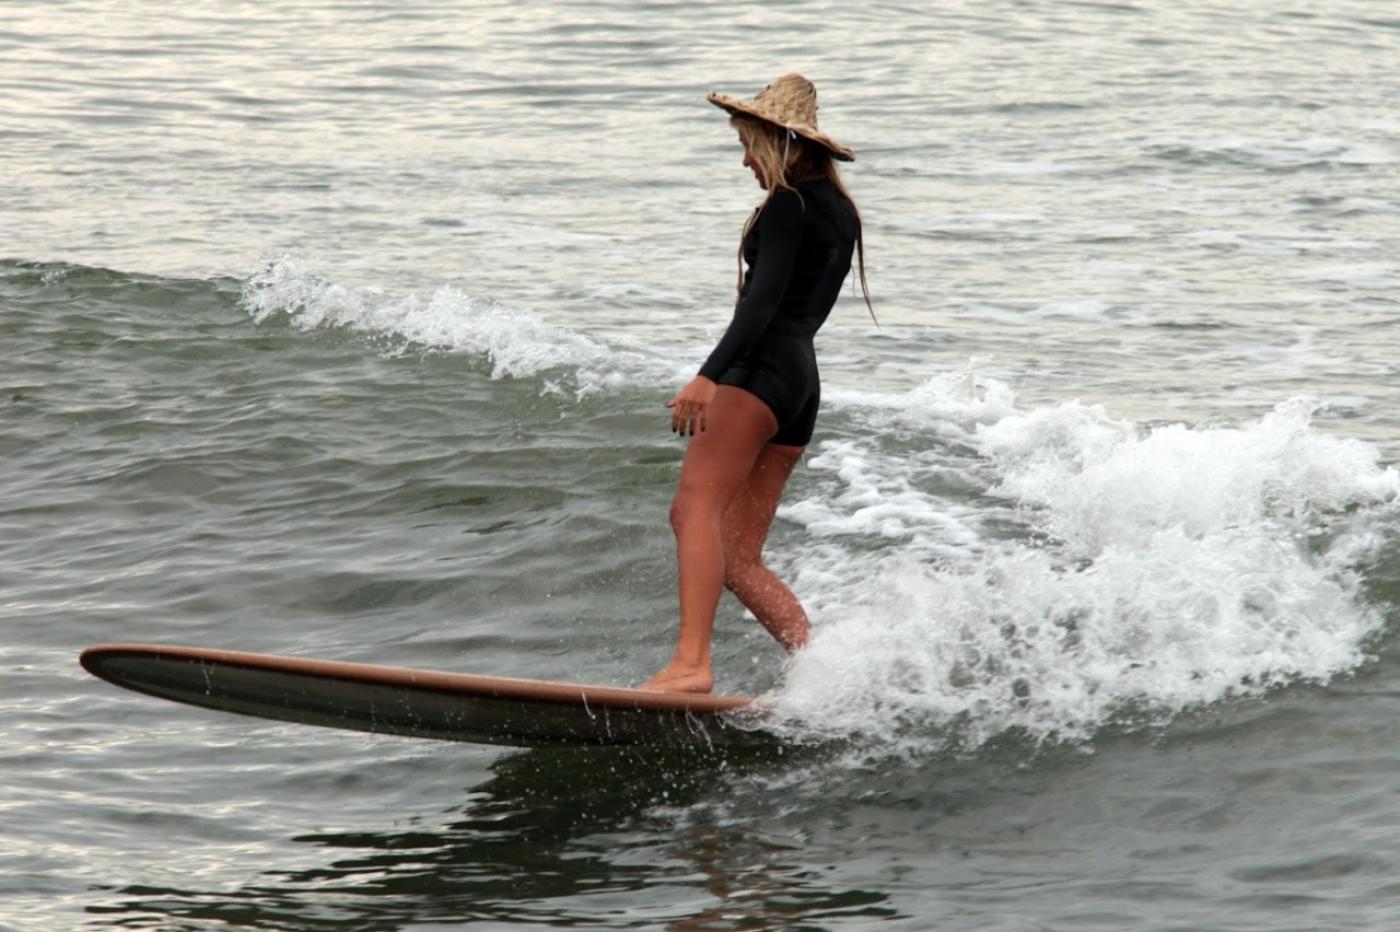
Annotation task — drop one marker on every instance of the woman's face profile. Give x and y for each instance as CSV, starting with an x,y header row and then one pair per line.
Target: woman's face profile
x,y
750,163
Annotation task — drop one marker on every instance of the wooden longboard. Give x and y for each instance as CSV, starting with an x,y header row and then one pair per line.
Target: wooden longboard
x,y
425,703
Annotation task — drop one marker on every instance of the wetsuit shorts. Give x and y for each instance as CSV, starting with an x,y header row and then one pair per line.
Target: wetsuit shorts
x,y
785,379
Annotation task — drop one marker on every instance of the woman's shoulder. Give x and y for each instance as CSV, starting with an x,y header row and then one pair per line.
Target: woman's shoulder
x,y
817,198
820,195
821,190
783,207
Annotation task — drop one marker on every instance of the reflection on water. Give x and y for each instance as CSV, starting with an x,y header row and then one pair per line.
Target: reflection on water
x,y
553,835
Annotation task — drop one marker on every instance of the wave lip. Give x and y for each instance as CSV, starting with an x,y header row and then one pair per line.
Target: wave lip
x,y
517,344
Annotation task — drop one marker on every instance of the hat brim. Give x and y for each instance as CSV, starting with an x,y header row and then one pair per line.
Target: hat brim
x,y
746,108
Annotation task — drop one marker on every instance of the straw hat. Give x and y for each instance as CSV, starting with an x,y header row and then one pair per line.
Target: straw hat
x,y
789,102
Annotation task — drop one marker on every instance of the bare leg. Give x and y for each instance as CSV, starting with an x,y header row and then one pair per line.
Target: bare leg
x,y
717,464
746,525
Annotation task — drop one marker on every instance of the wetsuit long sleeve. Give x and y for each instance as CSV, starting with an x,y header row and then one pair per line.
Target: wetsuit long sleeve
x,y
779,235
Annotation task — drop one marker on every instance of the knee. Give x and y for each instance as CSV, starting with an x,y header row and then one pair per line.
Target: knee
x,y
678,512
694,505
687,507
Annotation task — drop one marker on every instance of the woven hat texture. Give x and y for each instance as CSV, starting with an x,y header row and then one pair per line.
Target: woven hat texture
x,y
789,102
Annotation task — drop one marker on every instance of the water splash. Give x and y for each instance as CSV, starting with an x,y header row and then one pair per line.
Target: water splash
x,y
1153,570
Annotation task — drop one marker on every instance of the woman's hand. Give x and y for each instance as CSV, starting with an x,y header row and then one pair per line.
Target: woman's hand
x,y
688,407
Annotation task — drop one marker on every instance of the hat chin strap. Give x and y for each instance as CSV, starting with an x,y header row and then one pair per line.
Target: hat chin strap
x,y
787,142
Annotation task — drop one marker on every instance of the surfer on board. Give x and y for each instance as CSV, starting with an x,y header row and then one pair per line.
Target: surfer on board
x,y
750,411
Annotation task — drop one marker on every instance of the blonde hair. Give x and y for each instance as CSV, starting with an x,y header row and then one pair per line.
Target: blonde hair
x,y
782,158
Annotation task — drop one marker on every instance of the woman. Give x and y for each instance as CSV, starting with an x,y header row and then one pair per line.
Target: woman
x,y
750,411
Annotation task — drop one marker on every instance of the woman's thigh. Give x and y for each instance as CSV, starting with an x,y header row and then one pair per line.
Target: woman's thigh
x,y
719,459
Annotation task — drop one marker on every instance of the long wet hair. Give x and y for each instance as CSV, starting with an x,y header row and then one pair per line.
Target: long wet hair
x,y
768,146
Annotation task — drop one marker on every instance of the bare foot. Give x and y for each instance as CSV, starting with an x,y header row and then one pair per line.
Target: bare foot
x,y
681,680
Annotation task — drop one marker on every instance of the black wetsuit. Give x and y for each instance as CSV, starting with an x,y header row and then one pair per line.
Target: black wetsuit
x,y
798,252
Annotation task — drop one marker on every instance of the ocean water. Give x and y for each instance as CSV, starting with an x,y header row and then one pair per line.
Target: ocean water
x,y
343,330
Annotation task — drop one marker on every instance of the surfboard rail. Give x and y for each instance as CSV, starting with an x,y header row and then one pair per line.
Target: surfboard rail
x,y
426,703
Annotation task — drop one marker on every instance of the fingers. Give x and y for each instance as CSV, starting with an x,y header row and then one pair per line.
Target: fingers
x,y
679,418
687,417
689,407
683,423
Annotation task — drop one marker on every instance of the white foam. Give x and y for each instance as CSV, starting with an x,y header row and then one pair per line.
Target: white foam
x,y
950,403
867,501
518,344
1154,571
